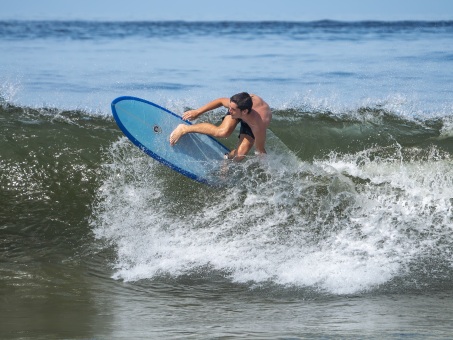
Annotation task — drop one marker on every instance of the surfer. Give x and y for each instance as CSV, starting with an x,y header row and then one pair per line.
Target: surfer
x,y
251,111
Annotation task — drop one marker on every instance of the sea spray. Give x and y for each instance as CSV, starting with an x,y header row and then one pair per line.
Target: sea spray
x,y
344,224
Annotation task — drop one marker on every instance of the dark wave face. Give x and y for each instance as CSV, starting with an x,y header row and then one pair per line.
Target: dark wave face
x,y
49,170
322,133
342,202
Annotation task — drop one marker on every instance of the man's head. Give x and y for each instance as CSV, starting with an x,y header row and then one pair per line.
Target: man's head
x,y
243,101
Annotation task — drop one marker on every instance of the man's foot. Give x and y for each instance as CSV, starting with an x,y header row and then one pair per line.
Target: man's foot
x,y
177,133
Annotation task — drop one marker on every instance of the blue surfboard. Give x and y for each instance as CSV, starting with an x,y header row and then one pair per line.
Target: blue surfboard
x,y
149,126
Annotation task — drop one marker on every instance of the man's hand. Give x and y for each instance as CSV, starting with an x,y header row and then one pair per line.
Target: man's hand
x,y
190,115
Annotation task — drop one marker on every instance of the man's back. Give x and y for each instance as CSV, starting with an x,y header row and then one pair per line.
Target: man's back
x,y
262,108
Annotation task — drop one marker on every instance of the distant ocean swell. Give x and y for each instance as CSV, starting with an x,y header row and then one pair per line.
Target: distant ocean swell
x,y
343,202
85,30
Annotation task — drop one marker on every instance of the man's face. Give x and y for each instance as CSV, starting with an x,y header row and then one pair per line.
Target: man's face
x,y
234,111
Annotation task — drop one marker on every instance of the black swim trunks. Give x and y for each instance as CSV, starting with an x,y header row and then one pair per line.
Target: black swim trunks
x,y
245,128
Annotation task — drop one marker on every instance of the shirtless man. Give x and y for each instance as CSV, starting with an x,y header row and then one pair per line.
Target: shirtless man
x,y
251,111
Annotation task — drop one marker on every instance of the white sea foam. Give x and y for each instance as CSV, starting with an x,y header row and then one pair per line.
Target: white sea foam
x,y
344,224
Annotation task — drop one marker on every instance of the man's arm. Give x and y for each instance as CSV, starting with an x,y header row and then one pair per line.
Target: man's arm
x,y
260,141
216,103
245,144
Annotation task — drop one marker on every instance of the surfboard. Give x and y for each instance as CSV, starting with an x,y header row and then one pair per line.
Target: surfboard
x,y
149,126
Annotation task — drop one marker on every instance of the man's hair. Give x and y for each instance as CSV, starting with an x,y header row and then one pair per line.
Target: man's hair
x,y
243,101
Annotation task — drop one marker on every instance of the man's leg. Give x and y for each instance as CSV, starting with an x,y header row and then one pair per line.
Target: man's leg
x,y
224,130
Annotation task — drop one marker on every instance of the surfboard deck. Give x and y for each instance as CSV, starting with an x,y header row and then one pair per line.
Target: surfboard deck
x,y
149,126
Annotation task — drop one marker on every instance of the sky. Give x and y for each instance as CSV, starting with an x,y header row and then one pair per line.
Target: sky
x,y
231,10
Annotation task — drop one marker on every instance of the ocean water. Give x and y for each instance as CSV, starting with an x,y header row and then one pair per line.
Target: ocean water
x,y
344,229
